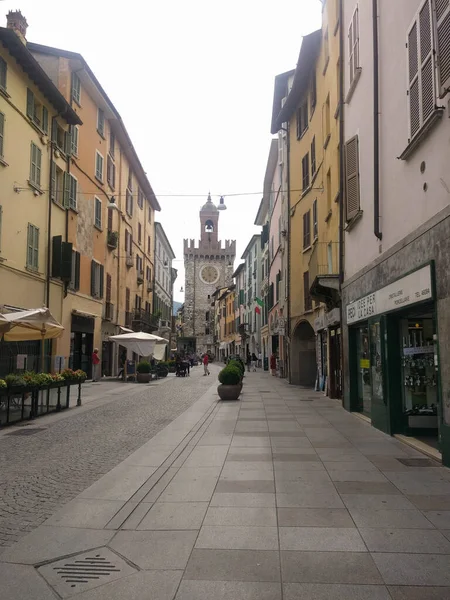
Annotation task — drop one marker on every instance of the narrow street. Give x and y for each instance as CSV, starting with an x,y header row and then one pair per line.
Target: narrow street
x,y
280,496
66,453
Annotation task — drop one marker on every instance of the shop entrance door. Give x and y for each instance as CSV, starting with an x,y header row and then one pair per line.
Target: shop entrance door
x,y
380,413
335,363
363,371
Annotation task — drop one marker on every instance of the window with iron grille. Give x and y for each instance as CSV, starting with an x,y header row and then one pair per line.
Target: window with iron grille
x,y
307,229
70,191
110,172
305,171
108,287
97,274
75,272
129,202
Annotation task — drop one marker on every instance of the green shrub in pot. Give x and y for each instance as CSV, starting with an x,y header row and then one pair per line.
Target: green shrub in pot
x,y
143,367
230,375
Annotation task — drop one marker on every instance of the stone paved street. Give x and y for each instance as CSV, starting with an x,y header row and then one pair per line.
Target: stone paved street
x,y
41,472
281,496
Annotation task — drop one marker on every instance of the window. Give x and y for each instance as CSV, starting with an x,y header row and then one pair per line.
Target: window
x,y
110,172
207,316
140,199
313,156
327,122
1,214
129,195
326,51
315,220
57,184
139,233
421,84
3,71
108,287
35,167
149,215
329,192
61,138
98,212
74,283
353,45
148,274
110,219
101,122
280,148
74,134
128,243
70,191
352,178
443,45
130,181
76,88
97,273
33,247
307,230
306,292
112,144
98,166
149,245
127,299
2,135
302,118
313,93
37,112
305,171
139,264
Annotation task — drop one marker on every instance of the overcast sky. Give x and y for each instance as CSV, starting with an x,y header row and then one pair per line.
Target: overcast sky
x,y
193,82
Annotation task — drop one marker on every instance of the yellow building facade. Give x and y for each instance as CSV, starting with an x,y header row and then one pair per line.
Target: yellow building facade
x,y
310,113
32,224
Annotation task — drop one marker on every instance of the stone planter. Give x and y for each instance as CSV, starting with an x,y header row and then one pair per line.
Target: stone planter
x,y
143,377
229,392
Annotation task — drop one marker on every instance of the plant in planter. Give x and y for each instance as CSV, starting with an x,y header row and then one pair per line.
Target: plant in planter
x,y
3,385
80,375
143,371
68,375
230,379
15,383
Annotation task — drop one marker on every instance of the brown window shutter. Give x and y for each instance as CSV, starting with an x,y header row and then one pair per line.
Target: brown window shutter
x,y
443,45
352,177
110,219
108,287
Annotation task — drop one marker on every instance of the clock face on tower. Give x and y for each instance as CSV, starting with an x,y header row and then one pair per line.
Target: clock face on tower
x,y
209,274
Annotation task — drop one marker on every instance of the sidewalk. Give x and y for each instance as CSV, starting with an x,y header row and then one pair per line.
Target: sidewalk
x,y
283,495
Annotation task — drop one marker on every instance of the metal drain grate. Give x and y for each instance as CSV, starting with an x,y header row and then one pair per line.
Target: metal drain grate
x,y
27,431
418,462
85,571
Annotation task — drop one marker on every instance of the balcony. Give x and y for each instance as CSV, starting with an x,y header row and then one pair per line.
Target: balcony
x,y
144,321
108,311
112,239
324,273
140,277
128,319
129,261
149,286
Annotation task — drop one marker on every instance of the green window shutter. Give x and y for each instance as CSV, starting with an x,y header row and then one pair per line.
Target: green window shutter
x,y
30,104
67,142
66,190
32,162
77,270
36,248
54,130
45,119
53,172
66,261
56,256
38,165
30,245
2,133
1,212
93,278
101,270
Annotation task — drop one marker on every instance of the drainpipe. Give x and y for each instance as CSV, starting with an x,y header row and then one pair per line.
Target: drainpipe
x,y
49,224
341,146
376,126
288,235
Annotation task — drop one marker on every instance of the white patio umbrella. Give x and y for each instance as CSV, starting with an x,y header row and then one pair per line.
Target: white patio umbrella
x,y
33,324
139,342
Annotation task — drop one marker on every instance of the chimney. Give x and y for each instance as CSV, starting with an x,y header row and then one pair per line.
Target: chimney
x,y
17,22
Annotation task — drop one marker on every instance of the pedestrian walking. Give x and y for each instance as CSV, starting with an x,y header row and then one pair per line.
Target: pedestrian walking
x,y
248,361
95,365
260,360
122,361
273,364
205,364
254,362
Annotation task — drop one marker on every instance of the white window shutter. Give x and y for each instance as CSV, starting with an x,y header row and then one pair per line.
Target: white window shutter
x,y
426,61
352,177
442,8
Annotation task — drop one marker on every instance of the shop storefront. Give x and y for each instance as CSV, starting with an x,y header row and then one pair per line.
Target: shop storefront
x,y
82,342
328,352
393,357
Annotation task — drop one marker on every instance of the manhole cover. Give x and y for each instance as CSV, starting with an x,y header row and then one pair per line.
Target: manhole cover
x,y
27,431
417,462
85,571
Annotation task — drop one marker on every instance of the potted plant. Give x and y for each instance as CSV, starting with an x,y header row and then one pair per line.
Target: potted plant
x,y
230,380
143,370
16,384
240,366
162,369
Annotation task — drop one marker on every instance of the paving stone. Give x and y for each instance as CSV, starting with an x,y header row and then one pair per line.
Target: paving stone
x,y
251,465
421,541
430,502
419,593
356,476
378,501
48,543
119,484
163,585
349,466
137,515
329,567
233,565
245,486
414,569
84,513
243,499
298,467
209,456
241,516
439,518
321,539
155,549
189,491
385,518
366,487
238,538
282,457
175,515
229,590
301,476
21,582
309,499
314,517
317,591
234,456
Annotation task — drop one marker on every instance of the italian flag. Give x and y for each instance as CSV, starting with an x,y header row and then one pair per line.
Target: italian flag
x,y
260,304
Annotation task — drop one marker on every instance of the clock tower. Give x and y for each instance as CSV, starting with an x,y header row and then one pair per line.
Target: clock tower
x,y
208,266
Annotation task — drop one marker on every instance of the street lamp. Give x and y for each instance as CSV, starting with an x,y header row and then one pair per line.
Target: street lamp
x,y
222,204
112,203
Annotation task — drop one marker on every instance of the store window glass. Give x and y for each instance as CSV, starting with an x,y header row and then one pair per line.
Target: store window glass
x,y
376,370
364,384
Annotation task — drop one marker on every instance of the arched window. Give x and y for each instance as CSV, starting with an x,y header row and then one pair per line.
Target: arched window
x,y
209,226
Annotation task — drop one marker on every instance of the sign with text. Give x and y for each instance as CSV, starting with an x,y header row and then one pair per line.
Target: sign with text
x,y
413,288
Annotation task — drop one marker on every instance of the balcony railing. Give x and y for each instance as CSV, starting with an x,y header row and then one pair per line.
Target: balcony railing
x,y
129,260
144,320
128,319
324,260
112,239
109,311
140,277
